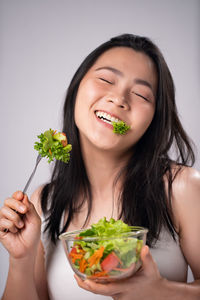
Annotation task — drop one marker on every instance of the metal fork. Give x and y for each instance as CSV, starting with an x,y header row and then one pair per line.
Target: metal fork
x,y
38,159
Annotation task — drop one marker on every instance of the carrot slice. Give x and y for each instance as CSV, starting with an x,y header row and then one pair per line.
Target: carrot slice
x,y
75,256
99,274
95,258
83,264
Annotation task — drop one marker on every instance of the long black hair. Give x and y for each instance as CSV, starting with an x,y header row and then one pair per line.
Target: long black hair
x,y
144,198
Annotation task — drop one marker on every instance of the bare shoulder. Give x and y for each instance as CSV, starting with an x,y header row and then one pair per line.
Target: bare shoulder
x,y
35,199
186,195
187,180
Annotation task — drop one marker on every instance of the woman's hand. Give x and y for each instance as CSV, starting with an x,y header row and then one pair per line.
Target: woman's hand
x,y
23,224
144,284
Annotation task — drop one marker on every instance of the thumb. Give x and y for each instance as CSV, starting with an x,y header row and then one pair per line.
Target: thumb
x,y
148,264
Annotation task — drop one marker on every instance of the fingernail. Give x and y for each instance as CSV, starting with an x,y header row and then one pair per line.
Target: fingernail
x,y
20,224
16,230
22,208
19,194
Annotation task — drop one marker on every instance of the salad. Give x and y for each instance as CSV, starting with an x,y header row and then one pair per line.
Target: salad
x,y
53,145
120,127
113,253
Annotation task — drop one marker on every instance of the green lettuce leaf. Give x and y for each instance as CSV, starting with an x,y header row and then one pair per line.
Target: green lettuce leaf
x,y
53,146
120,127
113,239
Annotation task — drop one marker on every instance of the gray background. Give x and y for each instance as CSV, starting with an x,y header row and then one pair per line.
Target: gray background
x,y
41,45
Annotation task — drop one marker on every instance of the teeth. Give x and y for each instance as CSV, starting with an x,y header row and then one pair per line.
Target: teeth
x,y
106,117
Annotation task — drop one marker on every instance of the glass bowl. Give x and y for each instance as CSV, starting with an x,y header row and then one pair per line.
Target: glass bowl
x,y
103,258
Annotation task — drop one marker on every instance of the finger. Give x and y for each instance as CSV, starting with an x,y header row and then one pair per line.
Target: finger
x,y
26,202
86,285
10,214
7,224
18,195
15,205
108,289
81,282
148,263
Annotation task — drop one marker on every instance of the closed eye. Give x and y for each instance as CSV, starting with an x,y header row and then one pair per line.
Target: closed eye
x,y
103,79
139,95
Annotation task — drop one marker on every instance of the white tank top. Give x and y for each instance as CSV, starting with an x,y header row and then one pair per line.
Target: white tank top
x,y
60,277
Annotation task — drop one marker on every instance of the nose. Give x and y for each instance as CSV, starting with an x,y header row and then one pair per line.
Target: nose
x,y
119,101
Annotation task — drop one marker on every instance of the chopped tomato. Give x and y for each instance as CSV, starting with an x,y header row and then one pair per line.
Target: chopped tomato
x,y
78,238
74,251
111,261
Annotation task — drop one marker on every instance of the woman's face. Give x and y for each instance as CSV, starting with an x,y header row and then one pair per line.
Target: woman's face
x,y
120,85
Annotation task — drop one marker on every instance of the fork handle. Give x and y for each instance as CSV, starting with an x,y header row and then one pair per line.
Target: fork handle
x,y
39,157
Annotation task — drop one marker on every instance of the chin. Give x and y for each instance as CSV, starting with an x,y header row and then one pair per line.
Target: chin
x,y
105,146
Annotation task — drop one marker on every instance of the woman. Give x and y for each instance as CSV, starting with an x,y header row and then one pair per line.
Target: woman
x,y
129,176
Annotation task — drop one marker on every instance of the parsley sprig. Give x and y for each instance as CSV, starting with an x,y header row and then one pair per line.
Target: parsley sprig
x,y
53,146
120,127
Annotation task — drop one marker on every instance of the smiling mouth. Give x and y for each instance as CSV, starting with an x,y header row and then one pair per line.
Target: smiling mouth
x,y
106,117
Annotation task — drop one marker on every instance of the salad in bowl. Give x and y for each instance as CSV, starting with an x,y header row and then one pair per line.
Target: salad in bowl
x,y
108,251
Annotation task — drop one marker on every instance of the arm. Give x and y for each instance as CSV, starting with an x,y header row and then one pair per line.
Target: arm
x,y
33,285
186,207
20,282
147,282
40,274
22,243
39,270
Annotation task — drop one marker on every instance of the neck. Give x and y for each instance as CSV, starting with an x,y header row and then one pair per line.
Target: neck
x,y
102,168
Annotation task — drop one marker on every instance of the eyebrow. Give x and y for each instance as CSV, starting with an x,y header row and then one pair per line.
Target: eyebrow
x,y
110,69
143,82
136,80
